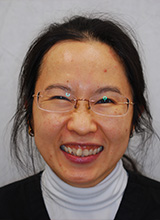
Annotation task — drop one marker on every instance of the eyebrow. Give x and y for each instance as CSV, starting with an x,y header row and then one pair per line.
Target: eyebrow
x,y
108,89
58,86
98,91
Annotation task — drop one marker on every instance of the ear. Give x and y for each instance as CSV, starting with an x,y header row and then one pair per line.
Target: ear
x,y
31,132
141,110
132,130
30,128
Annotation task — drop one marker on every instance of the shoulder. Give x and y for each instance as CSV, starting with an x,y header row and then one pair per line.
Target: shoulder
x,y
17,198
141,199
143,182
21,184
148,189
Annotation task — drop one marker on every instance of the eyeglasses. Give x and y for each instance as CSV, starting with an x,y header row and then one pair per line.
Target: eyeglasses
x,y
110,103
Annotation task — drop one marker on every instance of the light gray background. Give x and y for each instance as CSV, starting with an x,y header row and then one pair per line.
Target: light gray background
x,y
21,20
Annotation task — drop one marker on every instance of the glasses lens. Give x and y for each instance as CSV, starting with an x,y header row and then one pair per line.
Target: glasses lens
x,y
58,100
55,100
111,104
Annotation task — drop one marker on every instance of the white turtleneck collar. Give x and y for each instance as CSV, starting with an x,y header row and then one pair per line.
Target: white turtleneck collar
x,y
65,202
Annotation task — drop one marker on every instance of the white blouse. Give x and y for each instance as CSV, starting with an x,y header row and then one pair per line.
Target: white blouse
x,y
65,202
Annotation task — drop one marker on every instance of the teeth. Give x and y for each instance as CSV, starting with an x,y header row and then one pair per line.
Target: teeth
x,y
63,147
66,149
90,151
81,153
94,151
70,150
85,153
74,151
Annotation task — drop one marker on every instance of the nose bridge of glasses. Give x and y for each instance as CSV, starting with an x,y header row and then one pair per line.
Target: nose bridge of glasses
x,y
80,100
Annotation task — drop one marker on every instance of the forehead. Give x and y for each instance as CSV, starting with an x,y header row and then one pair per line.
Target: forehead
x,y
81,64
67,51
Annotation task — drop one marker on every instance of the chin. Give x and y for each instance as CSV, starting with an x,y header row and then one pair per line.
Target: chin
x,y
81,181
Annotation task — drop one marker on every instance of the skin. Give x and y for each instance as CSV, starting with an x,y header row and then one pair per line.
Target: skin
x,y
84,67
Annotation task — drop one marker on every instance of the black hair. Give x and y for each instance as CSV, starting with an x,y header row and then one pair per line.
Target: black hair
x,y
78,28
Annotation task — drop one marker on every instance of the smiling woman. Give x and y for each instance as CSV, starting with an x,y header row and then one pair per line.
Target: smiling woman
x,y
81,98
80,128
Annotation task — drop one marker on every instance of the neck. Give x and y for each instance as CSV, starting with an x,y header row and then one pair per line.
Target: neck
x,y
69,200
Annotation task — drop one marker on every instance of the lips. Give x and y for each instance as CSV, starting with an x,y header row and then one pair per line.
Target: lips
x,y
81,150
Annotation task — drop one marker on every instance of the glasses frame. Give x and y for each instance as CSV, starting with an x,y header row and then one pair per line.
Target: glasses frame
x,y
76,100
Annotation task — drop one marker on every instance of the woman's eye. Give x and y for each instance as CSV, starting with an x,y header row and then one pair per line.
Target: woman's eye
x,y
104,101
58,97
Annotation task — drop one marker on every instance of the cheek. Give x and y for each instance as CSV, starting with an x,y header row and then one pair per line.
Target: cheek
x,y
117,130
47,125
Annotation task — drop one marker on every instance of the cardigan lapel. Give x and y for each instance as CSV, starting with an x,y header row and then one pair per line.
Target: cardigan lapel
x,y
36,203
134,201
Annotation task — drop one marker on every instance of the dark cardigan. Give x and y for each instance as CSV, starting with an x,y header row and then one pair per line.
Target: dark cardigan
x,y
23,200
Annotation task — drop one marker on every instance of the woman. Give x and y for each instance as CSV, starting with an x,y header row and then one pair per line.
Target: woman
x,y
81,98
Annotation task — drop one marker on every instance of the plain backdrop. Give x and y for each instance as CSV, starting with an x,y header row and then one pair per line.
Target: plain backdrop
x,y
21,21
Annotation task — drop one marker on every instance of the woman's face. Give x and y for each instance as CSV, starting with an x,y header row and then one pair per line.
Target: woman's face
x,y
83,69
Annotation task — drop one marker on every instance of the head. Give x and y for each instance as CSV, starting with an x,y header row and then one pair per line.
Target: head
x,y
94,46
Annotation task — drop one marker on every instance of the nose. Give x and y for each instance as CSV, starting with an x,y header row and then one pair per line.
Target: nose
x,y
82,122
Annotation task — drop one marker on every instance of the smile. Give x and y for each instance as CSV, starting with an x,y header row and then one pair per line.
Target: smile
x,y
81,151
